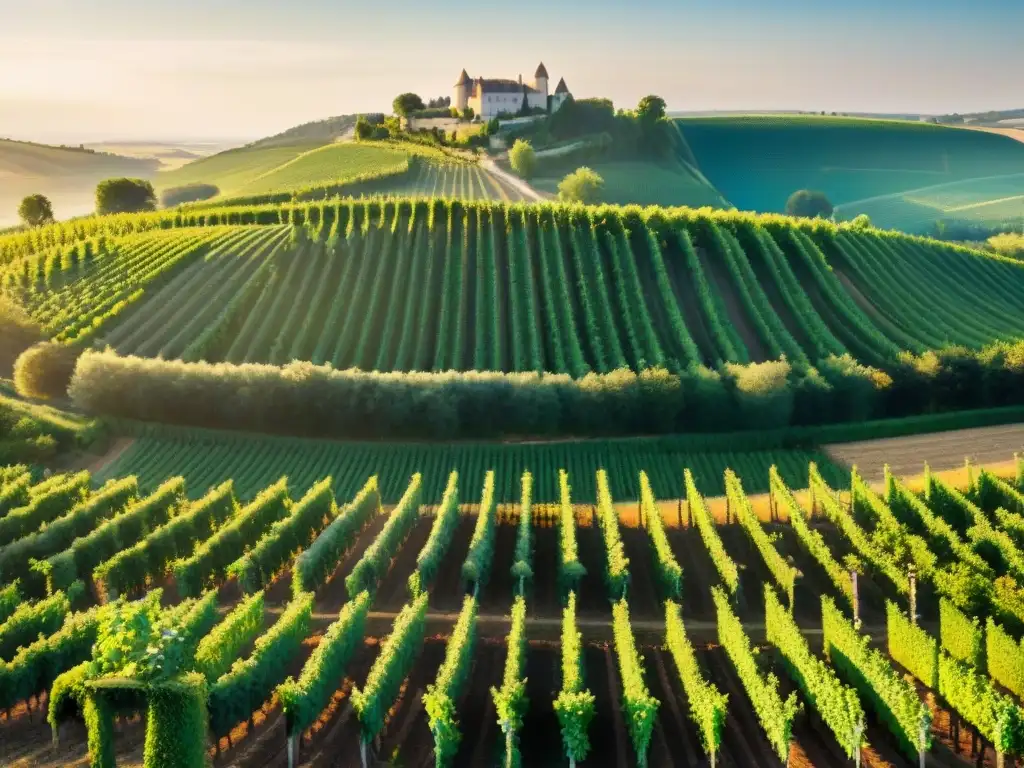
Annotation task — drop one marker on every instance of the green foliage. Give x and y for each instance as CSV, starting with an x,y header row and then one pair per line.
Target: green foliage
x,y
707,705
376,560
405,103
112,536
243,689
775,715
837,704
522,566
1005,658
784,573
574,705
124,196
176,724
523,159
639,707
510,700
912,647
651,108
890,695
877,554
35,210
477,567
669,572
446,520
99,723
259,566
961,636
59,534
14,491
316,564
147,560
584,185
1008,244
570,569
972,695
187,193
305,698
10,599
212,558
701,516
44,507
30,621
616,565
219,649
442,695
809,204
398,653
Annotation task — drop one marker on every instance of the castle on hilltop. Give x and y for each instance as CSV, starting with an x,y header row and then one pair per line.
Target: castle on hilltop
x,y
489,98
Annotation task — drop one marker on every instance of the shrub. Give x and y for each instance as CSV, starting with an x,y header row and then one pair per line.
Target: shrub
x,y
44,370
809,204
1008,244
189,193
18,332
583,185
523,159
124,196
35,210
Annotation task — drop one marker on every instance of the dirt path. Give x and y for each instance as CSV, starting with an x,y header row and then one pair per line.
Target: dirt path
x,y
990,446
528,192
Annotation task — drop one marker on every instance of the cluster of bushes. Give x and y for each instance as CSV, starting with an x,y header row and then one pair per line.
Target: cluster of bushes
x,y
189,193
310,400
23,439
18,332
44,370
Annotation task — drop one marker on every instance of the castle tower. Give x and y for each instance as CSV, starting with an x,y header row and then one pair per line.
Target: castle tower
x,y
460,99
540,79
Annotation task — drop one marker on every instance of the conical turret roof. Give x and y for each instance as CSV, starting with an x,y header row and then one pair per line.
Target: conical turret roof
x,y
541,71
562,87
464,79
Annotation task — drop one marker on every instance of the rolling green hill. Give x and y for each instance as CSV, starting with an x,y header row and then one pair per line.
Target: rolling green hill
x,y
646,183
231,171
482,286
756,162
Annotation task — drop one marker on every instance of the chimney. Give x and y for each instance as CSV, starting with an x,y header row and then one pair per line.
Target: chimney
x,y
520,79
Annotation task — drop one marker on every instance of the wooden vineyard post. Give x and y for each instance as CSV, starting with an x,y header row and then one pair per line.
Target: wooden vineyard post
x,y
810,489
856,599
857,731
728,509
772,513
922,742
679,513
913,595
293,750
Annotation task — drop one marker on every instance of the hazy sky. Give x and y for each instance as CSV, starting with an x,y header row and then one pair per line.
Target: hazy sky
x,y
85,70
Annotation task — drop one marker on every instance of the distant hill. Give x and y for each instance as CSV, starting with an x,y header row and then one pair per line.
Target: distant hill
x,y
757,162
67,175
322,131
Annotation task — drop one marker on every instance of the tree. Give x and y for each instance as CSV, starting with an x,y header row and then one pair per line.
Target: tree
x,y
364,129
467,113
523,159
35,210
405,103
583,185
651,108
124,196
809,204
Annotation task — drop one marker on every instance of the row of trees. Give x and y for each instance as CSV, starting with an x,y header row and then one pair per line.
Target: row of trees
x,y
121,195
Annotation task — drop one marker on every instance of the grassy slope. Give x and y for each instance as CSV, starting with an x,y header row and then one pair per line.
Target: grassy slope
x,y
758,161
333,163
231,171
645,183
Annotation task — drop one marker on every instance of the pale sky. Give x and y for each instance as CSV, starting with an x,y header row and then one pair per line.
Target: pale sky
x,y
78,70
